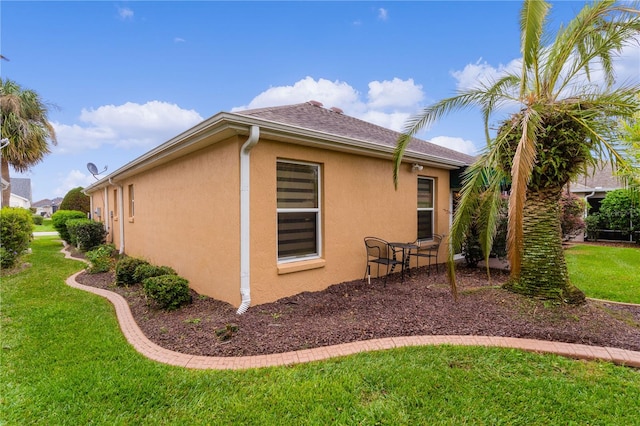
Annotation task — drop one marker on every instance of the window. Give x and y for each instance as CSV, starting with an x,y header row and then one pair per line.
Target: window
x,y
131,202
425,208
298,195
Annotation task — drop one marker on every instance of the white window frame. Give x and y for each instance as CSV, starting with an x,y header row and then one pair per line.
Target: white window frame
x,y
317,210
433,205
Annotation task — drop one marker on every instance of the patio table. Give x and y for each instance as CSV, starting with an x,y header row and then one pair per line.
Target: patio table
x,y
406,251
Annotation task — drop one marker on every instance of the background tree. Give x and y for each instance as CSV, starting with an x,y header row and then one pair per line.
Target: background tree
x,y
76,200
24,122
563,123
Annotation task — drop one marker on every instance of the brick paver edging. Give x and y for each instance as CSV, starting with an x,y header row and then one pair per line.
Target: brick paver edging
x,y
146,347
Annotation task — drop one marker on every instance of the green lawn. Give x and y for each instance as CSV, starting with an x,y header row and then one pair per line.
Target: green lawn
x,y
611,273
64,361
47,226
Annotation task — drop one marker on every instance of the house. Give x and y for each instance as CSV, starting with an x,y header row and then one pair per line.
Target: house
x,y
261,204
47,207
20,193
594,185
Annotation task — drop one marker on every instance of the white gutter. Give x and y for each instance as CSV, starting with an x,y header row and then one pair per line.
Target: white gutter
x,y
120,213
245,221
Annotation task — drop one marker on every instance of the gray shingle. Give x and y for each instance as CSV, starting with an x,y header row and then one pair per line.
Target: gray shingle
x,y
312,116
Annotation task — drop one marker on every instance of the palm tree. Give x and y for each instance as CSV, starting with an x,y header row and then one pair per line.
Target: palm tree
x,y
25,124
562,125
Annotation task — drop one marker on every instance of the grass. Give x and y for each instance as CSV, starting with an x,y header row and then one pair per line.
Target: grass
x,y
65,362
46,226
611,273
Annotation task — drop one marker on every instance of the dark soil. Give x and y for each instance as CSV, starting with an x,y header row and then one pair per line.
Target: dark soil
x,y
352,311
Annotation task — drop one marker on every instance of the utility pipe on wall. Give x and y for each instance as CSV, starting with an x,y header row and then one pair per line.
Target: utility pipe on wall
x,y
245,221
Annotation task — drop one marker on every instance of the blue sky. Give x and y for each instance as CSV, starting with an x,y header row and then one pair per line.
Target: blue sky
x,y
124,77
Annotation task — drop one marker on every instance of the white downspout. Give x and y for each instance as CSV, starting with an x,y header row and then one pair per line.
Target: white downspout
x,y
120,213
105,208
245,221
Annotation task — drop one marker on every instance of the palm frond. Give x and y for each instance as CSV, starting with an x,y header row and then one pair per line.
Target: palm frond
x,y
532,19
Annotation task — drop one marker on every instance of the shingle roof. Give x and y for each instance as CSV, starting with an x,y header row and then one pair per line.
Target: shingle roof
x,y
312,115
602,178
21,187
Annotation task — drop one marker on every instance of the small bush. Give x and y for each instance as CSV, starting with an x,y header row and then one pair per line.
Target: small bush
x,y
126,268
16,227
37,219
86,234
101,258
59,221
169,291
147,270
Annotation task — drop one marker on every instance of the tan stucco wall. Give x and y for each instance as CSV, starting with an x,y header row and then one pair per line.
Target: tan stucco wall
x,y
187,217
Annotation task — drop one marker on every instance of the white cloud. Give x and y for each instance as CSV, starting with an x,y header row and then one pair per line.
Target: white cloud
x,y
178,40
125,13
473,75
395,94
458,144
383,14
73,179
330,93
127,125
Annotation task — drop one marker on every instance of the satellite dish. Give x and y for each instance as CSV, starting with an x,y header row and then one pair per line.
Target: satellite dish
x,y
94,170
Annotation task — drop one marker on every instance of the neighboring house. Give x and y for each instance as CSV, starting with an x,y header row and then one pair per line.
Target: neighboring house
x,y
20,193
261,204
594,186
47,207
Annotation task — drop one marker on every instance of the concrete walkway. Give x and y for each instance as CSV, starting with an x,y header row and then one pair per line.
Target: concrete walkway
x,y
146,347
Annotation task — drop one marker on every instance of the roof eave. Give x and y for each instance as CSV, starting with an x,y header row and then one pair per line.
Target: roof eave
x,y
224,125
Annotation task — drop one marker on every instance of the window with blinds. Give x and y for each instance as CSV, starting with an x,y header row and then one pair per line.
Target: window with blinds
x,y
425,208
298,194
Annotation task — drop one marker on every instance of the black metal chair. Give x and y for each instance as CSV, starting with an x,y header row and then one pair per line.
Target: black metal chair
x,y
380,252
427,248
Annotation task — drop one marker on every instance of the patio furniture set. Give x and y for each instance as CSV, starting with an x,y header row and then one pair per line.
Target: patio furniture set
x,y
393,254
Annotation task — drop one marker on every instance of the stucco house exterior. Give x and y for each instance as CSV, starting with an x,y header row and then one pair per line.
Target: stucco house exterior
x,y
256,205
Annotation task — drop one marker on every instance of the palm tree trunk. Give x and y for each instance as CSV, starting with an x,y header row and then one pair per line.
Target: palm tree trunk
x,y
6,194
544,268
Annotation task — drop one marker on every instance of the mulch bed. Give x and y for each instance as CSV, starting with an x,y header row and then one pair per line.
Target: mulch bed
x,y
356,310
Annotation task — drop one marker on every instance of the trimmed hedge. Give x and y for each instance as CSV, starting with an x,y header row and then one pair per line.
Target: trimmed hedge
x,y
169,291
16,230
59,221
147,270
126,268
86,234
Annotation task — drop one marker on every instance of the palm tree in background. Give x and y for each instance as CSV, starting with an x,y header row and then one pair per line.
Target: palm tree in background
x,y
563,124
25,124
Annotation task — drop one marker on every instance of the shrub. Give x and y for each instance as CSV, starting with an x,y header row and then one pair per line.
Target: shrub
x,y
37,219
126,268
620,211
593,224
101,258
16,227
59,221
86,234
76,200
147,270
169,291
